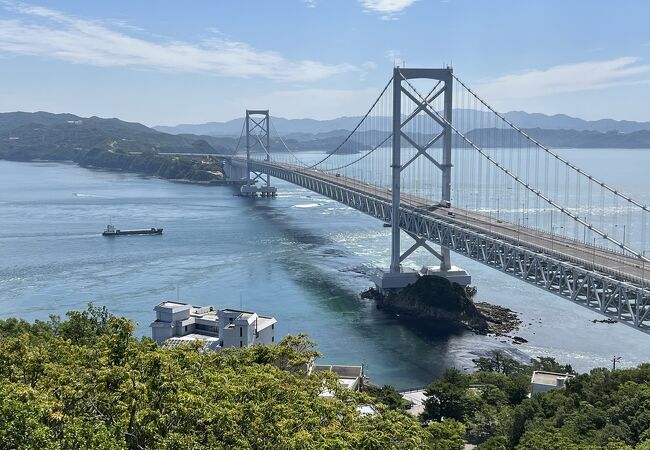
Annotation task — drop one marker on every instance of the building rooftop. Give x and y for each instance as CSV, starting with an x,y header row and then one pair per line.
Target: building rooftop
x,y
240,311
264,322
209,343
178,322
550,378
341,371
366,410
171,304
349,376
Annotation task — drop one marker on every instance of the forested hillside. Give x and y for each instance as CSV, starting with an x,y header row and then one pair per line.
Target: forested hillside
x,y
87,382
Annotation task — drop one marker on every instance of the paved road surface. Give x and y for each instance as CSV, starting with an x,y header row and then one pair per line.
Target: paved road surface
x,y
603,260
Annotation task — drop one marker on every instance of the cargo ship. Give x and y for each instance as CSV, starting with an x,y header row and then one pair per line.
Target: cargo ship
x,y
112,231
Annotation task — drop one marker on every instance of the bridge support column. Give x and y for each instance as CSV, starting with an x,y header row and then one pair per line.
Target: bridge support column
x,y
397,277
233,172
257,132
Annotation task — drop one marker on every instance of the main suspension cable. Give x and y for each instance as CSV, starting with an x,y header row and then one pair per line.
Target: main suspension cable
x,y
355,128
518,179
552,153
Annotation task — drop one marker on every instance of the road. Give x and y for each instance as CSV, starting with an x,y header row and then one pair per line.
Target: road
x,y
617,265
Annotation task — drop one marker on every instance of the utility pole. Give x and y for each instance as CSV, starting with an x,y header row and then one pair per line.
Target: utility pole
x,y
614,360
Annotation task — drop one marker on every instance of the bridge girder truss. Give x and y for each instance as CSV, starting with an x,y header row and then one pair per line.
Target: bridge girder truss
x,y
627,302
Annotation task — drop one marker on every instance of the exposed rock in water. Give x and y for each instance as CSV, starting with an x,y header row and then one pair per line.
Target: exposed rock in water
x,y
608,320
519,340
501,320
444,303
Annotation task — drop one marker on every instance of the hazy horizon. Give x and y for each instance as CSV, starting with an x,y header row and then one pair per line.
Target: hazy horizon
x,y
187,65
241,117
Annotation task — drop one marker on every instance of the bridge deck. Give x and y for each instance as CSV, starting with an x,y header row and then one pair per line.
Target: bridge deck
x,y
611,263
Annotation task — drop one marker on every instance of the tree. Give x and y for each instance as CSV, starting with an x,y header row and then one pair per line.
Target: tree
x,y
495,443
549,364
645,445
87,382
497,362
546,440
447,435
447,400
83,327
388,396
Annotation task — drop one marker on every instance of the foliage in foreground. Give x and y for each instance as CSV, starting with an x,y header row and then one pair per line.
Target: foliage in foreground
x,y
599,410
87,382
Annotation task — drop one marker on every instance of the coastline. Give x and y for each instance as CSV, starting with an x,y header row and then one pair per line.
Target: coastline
x,y
194,172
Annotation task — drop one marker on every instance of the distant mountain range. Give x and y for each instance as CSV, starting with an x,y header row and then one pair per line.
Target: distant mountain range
x,y
42,135
470,118
46,136
46,133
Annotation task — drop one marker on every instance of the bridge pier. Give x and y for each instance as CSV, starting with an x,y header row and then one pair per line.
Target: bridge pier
x,y
268,191
387,280
453,273
232,171
398,277
248,190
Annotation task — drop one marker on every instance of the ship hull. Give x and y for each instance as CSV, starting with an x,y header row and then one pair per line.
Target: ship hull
x,y
130,232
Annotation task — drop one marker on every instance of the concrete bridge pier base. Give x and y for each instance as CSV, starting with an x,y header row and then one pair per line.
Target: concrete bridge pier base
x,y
268,191
249,190
454,274
386,280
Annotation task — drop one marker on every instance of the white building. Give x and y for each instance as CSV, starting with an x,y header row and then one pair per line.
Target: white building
x,y
178,322
542,381
350,377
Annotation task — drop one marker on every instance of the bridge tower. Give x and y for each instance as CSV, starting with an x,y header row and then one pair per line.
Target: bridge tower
x,y
257,123
397,277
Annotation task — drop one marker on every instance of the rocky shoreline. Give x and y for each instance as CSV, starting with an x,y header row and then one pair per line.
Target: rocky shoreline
x,y
501,320
442,304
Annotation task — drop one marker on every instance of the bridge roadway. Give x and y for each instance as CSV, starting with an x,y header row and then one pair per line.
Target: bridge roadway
x,y
598,278
601,259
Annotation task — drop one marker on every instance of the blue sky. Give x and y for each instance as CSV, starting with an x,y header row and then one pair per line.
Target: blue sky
x,y
167,62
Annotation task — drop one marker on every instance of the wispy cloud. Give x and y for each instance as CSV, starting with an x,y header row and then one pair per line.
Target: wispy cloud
x,y
566,78
389,9
394,56
47,33
310,3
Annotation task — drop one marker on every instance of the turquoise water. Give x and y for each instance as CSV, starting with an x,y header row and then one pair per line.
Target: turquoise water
x,y
299,257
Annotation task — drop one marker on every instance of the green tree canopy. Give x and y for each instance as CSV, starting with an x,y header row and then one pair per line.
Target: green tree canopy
x,y
87,382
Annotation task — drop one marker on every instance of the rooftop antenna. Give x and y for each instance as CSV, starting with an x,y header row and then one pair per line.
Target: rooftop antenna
x,y
241,308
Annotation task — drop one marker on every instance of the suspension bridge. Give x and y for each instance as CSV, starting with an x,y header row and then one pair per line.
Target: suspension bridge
x,y
435,162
